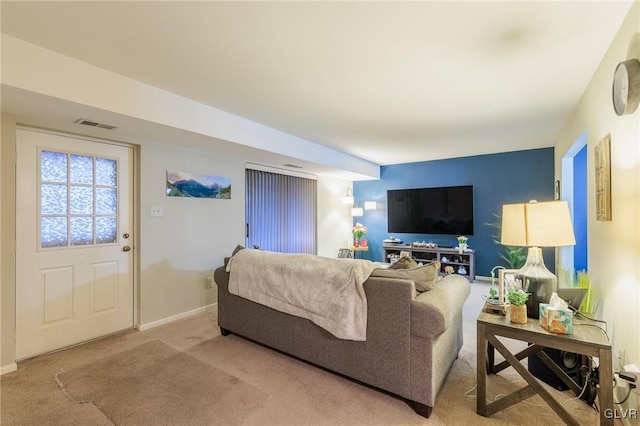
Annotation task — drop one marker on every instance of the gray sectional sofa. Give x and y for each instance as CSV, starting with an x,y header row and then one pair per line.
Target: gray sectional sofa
x,y
412,338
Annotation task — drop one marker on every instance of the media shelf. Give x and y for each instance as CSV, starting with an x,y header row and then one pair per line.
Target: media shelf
x,y
462,263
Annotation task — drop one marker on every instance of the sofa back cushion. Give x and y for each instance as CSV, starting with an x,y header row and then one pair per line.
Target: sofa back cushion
x,y
405,262
424,277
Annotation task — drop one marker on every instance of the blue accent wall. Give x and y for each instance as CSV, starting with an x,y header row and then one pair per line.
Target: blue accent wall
x,y
580,209
497,179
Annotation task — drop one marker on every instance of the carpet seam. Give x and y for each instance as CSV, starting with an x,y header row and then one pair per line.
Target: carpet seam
x,y
63,388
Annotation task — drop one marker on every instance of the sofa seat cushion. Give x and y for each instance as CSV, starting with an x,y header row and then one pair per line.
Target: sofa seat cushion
x,y
424,277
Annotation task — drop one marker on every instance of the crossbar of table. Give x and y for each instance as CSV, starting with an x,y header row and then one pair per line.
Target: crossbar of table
x,y
489,327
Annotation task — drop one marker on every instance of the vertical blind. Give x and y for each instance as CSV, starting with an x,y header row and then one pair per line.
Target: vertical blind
x,y
281,212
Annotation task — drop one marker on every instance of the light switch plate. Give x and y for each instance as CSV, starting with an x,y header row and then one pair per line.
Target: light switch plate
x,y
156,211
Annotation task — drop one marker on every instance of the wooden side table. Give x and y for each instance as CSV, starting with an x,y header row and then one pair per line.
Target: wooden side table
x,y
586,340
357,250
350,252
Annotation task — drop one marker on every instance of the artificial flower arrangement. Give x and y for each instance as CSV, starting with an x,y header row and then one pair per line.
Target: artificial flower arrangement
x,y
359,231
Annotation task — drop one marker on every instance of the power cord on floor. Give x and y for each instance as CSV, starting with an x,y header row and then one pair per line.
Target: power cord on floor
x,y
615,383
475,386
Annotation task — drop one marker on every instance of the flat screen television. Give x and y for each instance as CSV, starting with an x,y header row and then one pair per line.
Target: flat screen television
x,y
444,210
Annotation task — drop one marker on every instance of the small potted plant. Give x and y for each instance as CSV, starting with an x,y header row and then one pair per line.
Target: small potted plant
x,y
493,295
462,244
517,299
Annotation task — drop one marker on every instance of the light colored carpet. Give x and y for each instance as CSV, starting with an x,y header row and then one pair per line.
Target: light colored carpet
x,y
152,380
297,393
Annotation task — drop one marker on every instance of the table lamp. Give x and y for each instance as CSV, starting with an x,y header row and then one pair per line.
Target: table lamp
x,y
535,225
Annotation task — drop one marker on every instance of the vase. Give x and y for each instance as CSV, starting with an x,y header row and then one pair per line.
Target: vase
x,y
518,314
536,280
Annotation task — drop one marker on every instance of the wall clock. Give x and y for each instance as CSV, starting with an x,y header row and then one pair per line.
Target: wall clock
x,y
626,87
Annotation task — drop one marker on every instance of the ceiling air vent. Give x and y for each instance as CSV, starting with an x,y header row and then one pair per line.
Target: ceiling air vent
x,y
86,122
293,166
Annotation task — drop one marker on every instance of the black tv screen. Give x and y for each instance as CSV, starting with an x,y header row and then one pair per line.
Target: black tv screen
x,y
445,210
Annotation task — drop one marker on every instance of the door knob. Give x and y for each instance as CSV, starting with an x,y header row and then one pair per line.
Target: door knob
x,y
126,248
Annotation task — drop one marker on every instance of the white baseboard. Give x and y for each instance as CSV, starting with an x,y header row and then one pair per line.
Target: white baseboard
x,y
8,368
158,323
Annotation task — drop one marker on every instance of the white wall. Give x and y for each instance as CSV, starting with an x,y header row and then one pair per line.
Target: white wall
x,y
614,247
334,218
179,250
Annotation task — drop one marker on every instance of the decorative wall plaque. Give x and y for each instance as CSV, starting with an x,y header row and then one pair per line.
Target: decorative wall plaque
x,y
603,178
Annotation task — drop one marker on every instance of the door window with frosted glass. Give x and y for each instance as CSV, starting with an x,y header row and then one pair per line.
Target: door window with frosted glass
x,y
78,200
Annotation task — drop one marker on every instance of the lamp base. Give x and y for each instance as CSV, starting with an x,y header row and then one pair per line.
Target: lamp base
x,y
536,280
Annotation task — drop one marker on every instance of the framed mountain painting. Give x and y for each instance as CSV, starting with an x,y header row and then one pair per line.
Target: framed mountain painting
x,y
196,185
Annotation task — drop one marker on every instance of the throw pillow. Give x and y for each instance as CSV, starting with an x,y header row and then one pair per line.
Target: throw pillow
x,y
405,262
237,249
425,277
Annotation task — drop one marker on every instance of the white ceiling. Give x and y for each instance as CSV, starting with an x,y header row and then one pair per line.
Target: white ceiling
x,y
389,82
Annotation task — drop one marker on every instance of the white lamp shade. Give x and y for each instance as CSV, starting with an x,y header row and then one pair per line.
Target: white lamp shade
x,y
356,211
370,205
348,199
545,224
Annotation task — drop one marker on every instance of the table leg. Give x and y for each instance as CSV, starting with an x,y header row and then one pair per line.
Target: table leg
x,y
491,357
605,393
481,371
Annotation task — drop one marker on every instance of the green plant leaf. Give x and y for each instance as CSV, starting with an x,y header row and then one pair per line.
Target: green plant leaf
x,y
517,297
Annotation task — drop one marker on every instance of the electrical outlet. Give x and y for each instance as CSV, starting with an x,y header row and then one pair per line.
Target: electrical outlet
x,y
621,356
209,282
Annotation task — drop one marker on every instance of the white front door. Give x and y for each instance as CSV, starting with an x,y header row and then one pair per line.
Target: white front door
x,y
74,240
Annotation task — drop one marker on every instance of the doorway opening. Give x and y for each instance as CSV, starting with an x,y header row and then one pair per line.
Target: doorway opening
x,y
574,191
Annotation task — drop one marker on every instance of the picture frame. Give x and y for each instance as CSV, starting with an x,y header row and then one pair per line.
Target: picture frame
x,y
197,185
505,275
602,160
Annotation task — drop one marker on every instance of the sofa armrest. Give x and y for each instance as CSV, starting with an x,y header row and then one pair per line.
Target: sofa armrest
x,y
433,310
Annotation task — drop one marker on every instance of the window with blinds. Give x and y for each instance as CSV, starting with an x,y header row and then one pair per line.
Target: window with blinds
x,y
281,212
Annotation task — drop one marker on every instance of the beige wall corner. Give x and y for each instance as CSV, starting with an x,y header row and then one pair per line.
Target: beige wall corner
x,y
334,218
7,241
613,246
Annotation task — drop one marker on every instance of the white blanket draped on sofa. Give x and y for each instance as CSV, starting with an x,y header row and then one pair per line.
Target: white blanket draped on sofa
x,y
327,291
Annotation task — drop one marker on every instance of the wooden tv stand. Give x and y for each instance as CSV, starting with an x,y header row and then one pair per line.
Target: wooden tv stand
x,y
446,257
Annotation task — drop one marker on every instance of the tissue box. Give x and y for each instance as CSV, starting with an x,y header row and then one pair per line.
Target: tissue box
x,y
556,320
